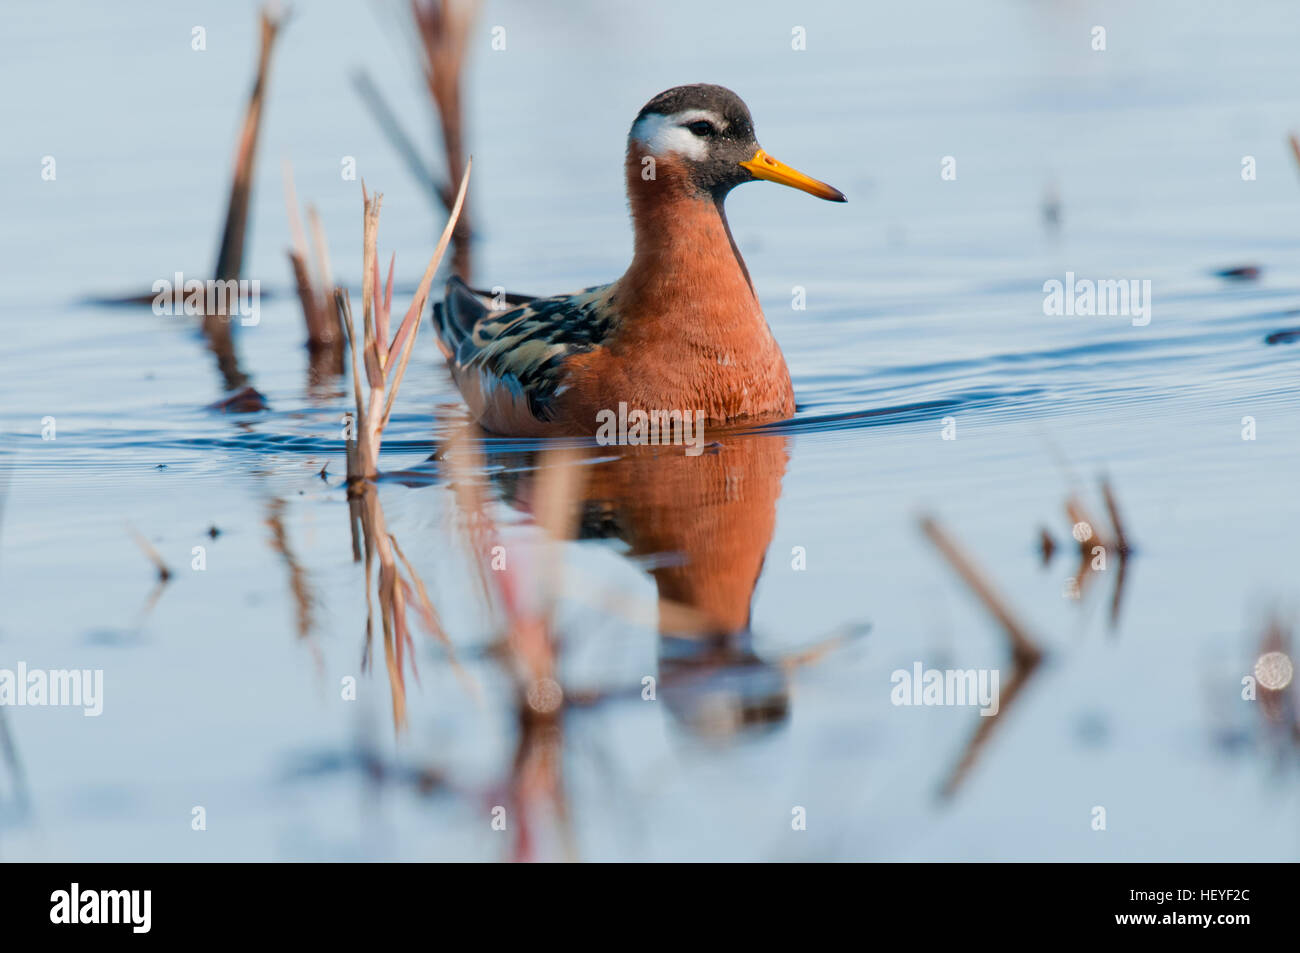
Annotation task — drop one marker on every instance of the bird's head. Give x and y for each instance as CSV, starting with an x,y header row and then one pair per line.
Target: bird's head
x,y
707,132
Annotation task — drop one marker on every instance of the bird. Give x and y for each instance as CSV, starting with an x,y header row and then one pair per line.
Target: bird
x,y
681,330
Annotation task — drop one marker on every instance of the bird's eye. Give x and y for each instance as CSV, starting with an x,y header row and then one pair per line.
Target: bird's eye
x,y
701,127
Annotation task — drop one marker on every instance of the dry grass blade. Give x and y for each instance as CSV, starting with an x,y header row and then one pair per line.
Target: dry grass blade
x,y
411,323
425,605
419,595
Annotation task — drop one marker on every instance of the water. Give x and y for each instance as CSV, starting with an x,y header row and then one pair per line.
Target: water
x,y
924,302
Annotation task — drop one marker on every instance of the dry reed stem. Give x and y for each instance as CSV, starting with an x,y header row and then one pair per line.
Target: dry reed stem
x,y
319,247
324,339
464,464
384,364
419,595
1021,672
230,254
531,651
559,488
391,127
151,554
383,374
1122,544
1023,646
395,595
298,584
378,546
1075,510
1077,515
1025,653
1117,524
444,27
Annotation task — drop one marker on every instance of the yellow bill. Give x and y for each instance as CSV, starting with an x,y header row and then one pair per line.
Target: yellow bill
x,y
763,166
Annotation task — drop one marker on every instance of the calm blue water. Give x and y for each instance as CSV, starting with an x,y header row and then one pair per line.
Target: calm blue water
x,y
924,301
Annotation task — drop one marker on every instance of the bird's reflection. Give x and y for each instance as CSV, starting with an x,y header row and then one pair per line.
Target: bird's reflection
x,y
701,526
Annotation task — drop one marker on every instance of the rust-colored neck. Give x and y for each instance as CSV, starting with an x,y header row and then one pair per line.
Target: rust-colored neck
x,y
685,261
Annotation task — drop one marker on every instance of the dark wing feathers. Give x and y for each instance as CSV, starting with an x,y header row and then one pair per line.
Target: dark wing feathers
x,y
522,349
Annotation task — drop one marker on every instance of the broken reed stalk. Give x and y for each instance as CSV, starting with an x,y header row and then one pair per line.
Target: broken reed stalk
x,y
230,254
324,337
384,361
1025,653
444,27
442,36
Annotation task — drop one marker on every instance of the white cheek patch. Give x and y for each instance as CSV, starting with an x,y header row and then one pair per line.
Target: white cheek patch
x,y
661,135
